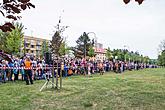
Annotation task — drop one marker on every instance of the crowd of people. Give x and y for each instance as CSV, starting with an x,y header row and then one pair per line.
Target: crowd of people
x,y
29,69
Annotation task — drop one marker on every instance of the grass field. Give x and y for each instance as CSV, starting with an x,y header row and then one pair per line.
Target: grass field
x,y
133,90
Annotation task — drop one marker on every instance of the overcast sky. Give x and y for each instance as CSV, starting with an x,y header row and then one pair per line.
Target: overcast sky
x,y
140,27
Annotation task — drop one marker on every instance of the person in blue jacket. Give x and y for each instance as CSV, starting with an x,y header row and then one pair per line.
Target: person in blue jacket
x,y
66,69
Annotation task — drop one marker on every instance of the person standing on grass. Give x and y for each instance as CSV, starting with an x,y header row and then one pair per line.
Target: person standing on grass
x,y
4,70
28,71
15,71
22,72
11,65
101,70
0,72
66,69
89,69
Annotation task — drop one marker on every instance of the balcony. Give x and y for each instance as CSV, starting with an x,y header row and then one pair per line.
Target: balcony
x,y
39,43
38,48
26,42
32,49
32,43
27,48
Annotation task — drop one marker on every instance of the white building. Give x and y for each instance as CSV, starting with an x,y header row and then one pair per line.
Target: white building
x,y
100,52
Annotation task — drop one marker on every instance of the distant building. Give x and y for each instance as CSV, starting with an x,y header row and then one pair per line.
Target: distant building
x,y
100,52
32,45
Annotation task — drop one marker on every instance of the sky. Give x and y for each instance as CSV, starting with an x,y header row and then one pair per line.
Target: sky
x,y
139,27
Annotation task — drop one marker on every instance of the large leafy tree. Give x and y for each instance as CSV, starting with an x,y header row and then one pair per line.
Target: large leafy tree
x,y
108,53
162,46
83,46
91,52
161,57
64,49
146,59
11,9
12,42
125,55
118,53
115,53
3,40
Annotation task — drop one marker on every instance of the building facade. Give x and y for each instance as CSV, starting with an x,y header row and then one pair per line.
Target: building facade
x,y
33,45
100,52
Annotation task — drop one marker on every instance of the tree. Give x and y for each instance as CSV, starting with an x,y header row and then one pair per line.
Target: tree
x,y
91,52
3,40
44,48
139,1
82,47
108,54
56,43
162,46
127,56
146,59
11,9
115,53
13,41
57,39
161,57
64,49
119,53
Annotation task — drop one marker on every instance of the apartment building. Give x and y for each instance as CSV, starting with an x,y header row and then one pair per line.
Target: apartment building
x,y
33,45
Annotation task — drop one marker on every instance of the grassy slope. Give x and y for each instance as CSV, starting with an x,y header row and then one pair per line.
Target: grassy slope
x,y
144,90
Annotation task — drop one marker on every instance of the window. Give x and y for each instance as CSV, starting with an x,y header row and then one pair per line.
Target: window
x,y
32,46
26,45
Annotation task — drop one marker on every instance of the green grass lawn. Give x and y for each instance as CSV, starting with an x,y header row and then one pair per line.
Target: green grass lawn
x,y
132,90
